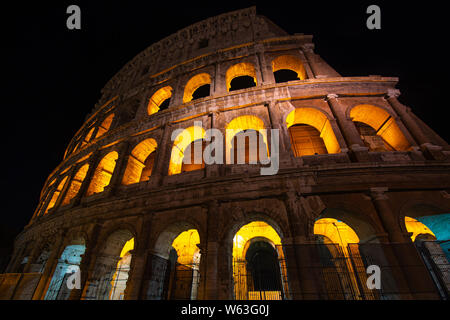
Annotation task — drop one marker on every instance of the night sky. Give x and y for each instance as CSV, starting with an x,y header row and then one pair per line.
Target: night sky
x,y
54,75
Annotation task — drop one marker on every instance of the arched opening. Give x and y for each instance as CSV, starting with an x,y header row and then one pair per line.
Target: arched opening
x,y
120,276
68,263
246,139
140,162
88,137
259,271
248,147
75,184
417,228
190,163
338,253
175,265
431,237
181,143
288,68
56,194
160,100
110,274
243,75
105,125
311,132
197,87
103,173
378,129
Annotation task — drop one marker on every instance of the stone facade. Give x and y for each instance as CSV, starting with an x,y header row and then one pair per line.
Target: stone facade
x,y
371,191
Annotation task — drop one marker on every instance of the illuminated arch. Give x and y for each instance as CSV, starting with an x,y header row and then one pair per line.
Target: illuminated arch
x,y
239,70
245,240
239,124
383,125
289,62
105,125
56,194
140,162
88,137
181,142
317,120
340,241
75,184
193,84
158,98
103,173
110,272
178,245
335,231
417,228
120,276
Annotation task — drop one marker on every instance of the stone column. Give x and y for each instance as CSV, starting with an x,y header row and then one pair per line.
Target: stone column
x,y
348,129
138,260
41,288
402,250
301,281
306,65
429,149
119,168
164,150
86,259
93,163
265,68
210,255
308,50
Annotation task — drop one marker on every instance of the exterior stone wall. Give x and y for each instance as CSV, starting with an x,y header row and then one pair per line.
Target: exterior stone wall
x,y
371,191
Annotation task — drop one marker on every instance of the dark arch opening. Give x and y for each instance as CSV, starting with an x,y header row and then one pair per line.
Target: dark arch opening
x,y
164,105
242,82
263,267
201,92
285,75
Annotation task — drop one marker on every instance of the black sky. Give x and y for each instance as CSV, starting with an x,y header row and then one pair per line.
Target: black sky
x,y
54,75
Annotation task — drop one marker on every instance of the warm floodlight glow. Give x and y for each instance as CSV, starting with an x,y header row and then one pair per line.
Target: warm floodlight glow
x,y
158,98
336,232
193,84
104,127
137,161
238,70
56,194
75,184
417,227
181,142
240,124
384,125
290,63
319,121
186,246
103,173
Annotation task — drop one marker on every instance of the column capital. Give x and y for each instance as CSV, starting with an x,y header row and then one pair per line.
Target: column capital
x,y
332,96
308,47
393,93
379,193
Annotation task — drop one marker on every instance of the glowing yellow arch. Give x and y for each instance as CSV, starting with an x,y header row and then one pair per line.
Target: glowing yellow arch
x,y
193,84
240,124
238,70
381,121
182,141
318,120
289,62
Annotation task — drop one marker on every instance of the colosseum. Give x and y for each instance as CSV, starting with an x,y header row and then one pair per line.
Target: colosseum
x,y
322,186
